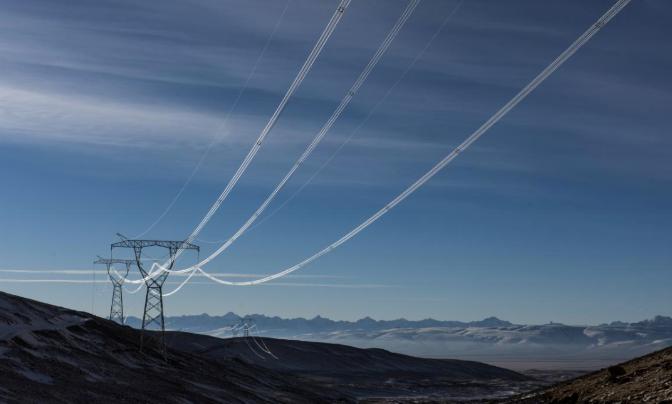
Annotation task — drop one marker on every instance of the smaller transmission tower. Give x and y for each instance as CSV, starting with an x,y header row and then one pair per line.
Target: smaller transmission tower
x,y
245,324
117,308
153,313
249,329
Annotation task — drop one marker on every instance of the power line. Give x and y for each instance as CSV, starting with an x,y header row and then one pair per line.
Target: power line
x,y
349,95
401,21
303,72
215,138
496,117
365,120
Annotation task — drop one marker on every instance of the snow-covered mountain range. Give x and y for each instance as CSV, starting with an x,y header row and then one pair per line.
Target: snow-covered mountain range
x,y
491,339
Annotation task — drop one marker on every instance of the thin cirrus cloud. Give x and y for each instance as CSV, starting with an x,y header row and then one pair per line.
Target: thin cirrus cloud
x,y
147,77
70,80
75,118
133,75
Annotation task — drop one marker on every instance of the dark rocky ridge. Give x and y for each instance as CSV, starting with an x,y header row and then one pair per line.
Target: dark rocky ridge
x,y
51,354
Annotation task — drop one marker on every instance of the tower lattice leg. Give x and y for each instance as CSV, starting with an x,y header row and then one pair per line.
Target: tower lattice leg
x,y
117,308
153,317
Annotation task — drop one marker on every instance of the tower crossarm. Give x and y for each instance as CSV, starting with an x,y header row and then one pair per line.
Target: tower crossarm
x,y
111,261
170,244
117,307
173,247
106,261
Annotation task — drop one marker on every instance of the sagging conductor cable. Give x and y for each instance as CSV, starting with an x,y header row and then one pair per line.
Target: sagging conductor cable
x,y
308,64
385,45
301,75
215,138
272,213
213,141
521,95
408,11
354,132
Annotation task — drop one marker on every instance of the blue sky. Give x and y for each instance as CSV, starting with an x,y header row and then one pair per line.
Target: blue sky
x,y
561,212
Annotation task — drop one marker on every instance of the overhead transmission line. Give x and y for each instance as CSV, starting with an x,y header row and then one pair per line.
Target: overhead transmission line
x,y
308,64
215,138
363,122
496,117
385,45
401,21
213,141
248,327
301,75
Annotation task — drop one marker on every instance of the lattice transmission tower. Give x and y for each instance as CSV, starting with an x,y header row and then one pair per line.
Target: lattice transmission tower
x,y
117,307
153,312
244,325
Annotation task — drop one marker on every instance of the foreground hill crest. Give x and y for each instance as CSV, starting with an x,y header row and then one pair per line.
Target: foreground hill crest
x,y
52,354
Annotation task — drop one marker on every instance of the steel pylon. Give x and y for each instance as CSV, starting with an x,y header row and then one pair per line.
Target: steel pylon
x,y
152,317
117,307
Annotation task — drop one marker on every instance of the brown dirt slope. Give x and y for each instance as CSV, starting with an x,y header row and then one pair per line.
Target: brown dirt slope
x,y
647,379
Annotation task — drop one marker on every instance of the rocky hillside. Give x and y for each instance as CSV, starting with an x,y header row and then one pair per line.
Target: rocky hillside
x,y
647,379
362,373
315,357
51,354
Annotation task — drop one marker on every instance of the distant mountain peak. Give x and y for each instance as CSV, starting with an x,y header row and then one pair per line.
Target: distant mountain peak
x,y
658,321
491,321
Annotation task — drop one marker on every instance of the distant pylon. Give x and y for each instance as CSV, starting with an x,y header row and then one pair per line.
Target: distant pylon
x,y
117,307
153,312
245,324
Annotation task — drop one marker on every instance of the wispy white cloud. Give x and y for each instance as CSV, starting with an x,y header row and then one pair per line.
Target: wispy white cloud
x,y
27,113
152,80
89,80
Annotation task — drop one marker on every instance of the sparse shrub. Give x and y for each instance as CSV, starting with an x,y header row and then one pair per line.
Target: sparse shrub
x,y
615,371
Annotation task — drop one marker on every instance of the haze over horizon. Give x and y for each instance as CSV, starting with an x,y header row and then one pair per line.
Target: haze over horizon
x,y
560,213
